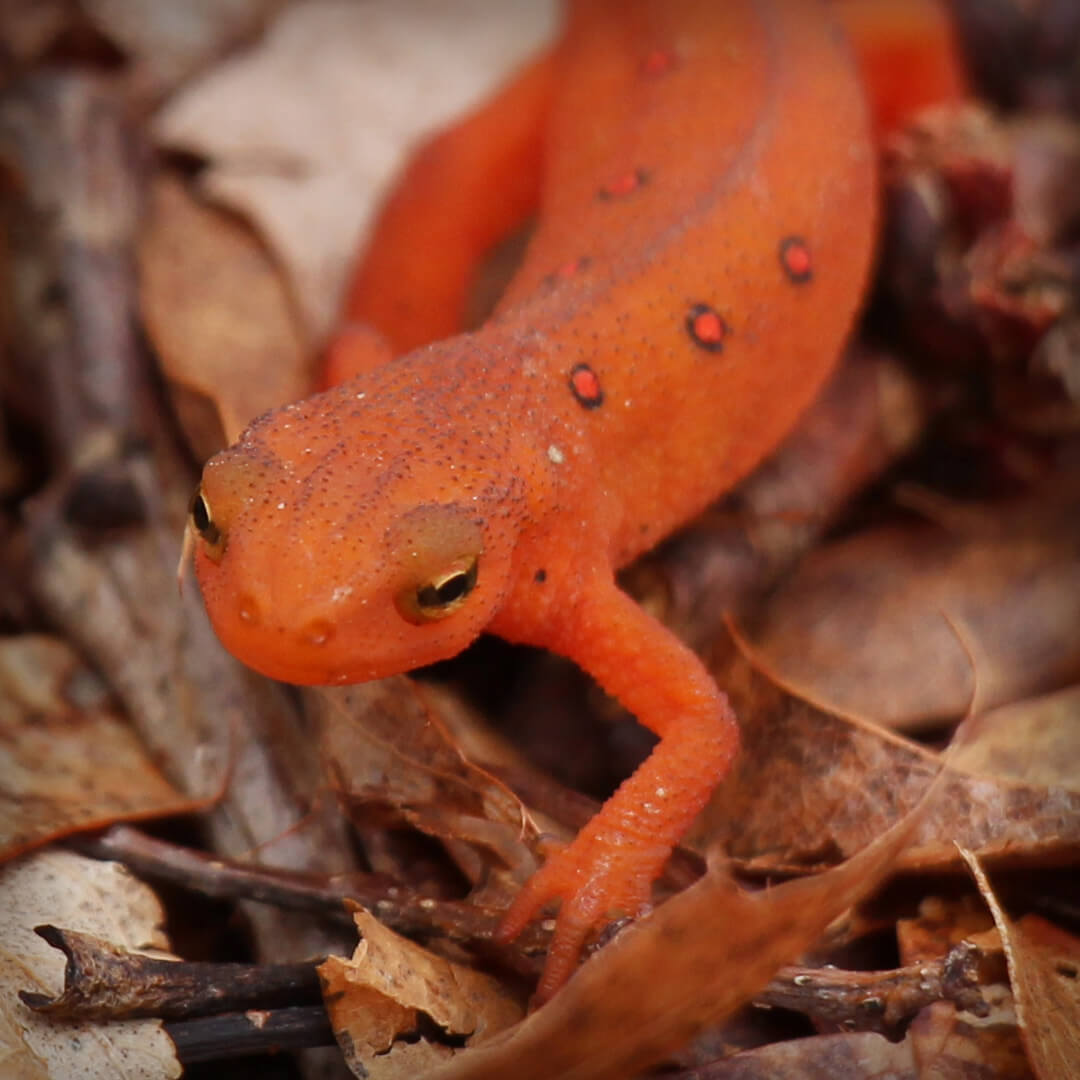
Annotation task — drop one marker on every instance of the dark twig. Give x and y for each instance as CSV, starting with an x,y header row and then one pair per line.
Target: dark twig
x,y
399,906
881,1001
234,1035
104,982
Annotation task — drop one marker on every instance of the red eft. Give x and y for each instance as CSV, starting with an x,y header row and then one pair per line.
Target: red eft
x,y
705,177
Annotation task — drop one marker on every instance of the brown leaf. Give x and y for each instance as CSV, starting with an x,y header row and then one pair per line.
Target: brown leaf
x,y
704,952
850,1056
99,898
1044,967
166,42
28,28
953,1042
374,999
110,586
946,1042
69,762
908,624
941,924
387,747
306,150
65,142
810,787
219,315
1035,741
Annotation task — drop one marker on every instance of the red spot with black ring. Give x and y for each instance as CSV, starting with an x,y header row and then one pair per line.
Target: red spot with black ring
x,y
706,327
795,259
585,385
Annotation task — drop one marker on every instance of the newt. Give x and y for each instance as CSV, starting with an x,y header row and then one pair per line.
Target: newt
x,y
704,176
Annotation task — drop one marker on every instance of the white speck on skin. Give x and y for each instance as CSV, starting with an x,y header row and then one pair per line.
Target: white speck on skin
x,y
281,506
555,455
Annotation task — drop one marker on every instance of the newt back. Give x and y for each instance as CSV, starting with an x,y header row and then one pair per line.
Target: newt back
x,y
706,229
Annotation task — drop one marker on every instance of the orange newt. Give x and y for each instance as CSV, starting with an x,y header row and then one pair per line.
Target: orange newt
x,y
706,187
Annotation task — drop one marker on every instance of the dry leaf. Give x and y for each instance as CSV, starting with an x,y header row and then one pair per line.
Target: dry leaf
x,y
218,314
906,625
98,898
307,149
110,586
1044,968
688,964
166,41
387,749
67,760
1036,741
28,27
810,787
947,1041
850,1056
374,999
941,924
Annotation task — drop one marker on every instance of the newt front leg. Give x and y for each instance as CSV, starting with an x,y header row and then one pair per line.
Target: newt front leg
x,y
608,869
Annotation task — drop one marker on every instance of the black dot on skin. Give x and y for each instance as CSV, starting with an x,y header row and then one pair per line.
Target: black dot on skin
x,y
540,577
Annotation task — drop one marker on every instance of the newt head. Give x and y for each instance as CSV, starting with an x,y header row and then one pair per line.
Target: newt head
x,y
356,534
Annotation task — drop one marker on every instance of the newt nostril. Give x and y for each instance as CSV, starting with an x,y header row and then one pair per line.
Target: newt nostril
x,y
317,632
247,610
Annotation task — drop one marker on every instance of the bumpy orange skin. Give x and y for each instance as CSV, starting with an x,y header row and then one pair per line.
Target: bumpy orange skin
x,y
707,213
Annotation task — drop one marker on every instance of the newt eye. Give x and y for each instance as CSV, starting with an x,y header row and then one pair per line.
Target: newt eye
x,y
442,595
202,521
